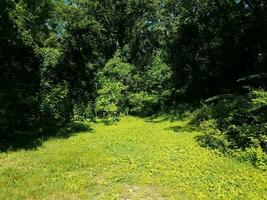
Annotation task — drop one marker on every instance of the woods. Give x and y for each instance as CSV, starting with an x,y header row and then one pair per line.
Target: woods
x,y
77,60
133,99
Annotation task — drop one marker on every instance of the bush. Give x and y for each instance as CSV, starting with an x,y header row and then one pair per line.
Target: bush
x,y
116,69
142,103
84,112
153,87
121,89
255,155
157,79
109,100
213,137
56,105
113,82
241,122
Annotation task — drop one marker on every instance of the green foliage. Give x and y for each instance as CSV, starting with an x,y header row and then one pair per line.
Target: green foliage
x,y
113,81
211,44
142,103
259,98
213,138
255,155
75,59
56,106
154,90
50,58
122,89
84,112
56,103
240,123
116,69
109,99
20,69
157,79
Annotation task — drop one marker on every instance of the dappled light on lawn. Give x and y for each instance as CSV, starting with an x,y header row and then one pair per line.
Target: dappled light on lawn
x,y
132,159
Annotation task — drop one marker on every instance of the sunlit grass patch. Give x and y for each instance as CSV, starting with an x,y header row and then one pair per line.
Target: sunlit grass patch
x,y
132,159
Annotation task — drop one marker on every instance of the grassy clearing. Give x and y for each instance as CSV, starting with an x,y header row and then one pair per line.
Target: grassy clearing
x,y
135,159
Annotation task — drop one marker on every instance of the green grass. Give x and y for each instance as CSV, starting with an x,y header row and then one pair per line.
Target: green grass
x,y
135,159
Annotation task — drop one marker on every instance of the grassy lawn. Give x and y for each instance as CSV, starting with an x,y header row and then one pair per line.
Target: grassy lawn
x,y
134,159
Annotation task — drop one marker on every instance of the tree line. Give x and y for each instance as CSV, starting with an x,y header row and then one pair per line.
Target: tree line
x,y
81,59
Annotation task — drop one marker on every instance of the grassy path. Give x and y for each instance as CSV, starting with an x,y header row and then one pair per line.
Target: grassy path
x,y
132,160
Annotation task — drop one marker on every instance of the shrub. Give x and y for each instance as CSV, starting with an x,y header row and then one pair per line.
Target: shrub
x,y
142,103
84,112
255,155
116,69
113,82
157,79
241,122
153,87
109,99
213,137
56,105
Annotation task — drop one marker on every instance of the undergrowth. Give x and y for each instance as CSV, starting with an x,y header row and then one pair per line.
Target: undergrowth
x,y
236,125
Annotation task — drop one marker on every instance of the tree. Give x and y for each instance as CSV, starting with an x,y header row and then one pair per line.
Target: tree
x,y
214,43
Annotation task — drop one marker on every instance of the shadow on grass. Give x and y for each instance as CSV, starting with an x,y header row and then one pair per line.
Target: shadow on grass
x,y
107,122
31,141
180,129
173,115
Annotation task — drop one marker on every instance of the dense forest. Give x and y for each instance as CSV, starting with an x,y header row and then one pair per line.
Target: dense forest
x,y
78,60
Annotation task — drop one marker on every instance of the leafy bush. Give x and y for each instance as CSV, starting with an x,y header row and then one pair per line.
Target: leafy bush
x,y
84,112
56,106
213,138
109,100
116,69
154,89
255,155
157,79
241,122
142,103
113,83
